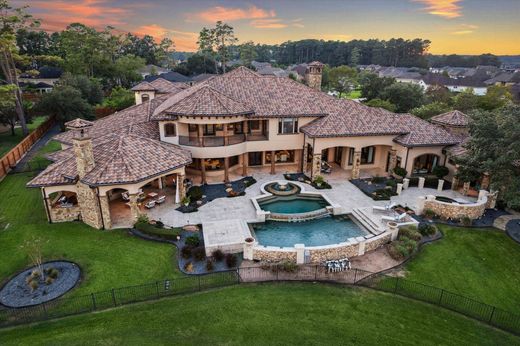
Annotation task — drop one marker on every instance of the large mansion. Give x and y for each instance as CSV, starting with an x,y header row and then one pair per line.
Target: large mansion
x,y
229,125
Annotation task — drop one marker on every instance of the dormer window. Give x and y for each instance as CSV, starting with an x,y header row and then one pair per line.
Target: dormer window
x,y
169,130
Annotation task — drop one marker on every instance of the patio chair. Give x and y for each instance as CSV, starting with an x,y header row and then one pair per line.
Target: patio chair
x,y
141,197
125,196
160,199
150,204
387,207
325,167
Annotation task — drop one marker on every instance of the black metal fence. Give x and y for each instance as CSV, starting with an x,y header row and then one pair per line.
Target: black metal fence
x,y
125,295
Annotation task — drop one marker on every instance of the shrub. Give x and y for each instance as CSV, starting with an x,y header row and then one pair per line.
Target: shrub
x,y
400,171
440,171
287,266
193,240
34,284
409,244
403,250
199,253
377,179
410,232
427,229
391,183
53,273
429,213
218,255
49,280
186,251
188,267
195,193
318,180
142,218
392,251
186,200
231,260
466,221
159,224
210,265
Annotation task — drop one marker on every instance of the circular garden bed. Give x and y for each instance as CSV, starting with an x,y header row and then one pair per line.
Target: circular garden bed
x,y
32,287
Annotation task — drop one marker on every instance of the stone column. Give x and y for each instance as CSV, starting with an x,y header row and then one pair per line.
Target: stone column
x,y
181,186
134,208
362,247
394,229
202,171
89,206
484,184
224,130
454,183
420,205
440,185
465,188
305,153
245,128
248,250
406,183
160,182
300,253
226,169
356,162
273,159
393,160
399,189
316,165
200,135
421,183
245,159
492,200
105,210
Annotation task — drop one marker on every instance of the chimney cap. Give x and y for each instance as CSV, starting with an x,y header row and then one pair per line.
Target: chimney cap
x,y
78,124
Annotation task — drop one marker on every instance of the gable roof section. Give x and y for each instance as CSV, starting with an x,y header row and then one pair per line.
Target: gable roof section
x,y
206,101
453,118
161,86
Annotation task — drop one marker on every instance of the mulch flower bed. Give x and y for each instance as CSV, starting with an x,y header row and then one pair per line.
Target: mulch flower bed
x,y
377,189
302,178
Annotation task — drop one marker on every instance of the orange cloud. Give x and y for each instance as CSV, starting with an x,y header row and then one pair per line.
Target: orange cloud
x,y
184,40
465,29
268,24
442,8
217,13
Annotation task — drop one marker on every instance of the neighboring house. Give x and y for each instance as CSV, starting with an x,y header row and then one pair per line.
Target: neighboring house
x,y
170,76
152,70
237,123
40,87
504,79
46,74
456,85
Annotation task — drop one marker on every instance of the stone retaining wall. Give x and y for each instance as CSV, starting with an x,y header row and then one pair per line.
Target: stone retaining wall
x,y
274,254
455,211
376,242
325,253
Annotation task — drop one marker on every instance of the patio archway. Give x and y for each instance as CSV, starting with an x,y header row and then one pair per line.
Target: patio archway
x,y
425,163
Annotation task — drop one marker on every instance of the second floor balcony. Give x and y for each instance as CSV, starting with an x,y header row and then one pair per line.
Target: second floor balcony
x,y
220,141
212,135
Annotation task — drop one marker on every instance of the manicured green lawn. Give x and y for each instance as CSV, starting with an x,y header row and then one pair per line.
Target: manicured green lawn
x,y
39,158
7,141
270,314
108,258
481,264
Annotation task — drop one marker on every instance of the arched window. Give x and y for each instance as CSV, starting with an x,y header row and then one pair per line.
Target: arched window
x,y
169,130
425,163
145,97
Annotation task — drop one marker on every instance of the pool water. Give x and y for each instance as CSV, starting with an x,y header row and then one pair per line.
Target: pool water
x,y
324,231
293,205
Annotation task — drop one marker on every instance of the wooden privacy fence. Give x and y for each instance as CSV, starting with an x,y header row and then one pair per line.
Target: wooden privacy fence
x,y
9,160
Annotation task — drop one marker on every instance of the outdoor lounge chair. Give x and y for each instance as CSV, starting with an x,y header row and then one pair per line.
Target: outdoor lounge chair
x,y
125,196
394,218
325,167
160,199
150,204
387,207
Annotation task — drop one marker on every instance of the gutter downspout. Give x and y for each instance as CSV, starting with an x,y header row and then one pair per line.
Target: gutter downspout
x,y
303,153
406,160
100,209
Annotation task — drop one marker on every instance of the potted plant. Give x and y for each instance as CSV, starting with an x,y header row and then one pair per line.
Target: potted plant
x,y
186,200
318,180
250,240
400,172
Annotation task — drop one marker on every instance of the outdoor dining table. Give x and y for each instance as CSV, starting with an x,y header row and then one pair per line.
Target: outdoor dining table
x,y
153,194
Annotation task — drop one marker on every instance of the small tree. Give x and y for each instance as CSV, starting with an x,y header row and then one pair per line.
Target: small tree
x,y
440,171
430,110
389,106
404,96
33,247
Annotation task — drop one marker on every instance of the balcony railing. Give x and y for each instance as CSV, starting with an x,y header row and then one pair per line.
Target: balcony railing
x,y
219,141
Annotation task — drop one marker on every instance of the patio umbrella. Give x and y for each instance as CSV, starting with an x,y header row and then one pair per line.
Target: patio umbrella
x,y
177,197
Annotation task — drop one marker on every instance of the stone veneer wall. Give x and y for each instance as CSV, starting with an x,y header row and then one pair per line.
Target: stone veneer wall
x,y
88,202
325,253
59,214
376,242
105,209
456,211
273,254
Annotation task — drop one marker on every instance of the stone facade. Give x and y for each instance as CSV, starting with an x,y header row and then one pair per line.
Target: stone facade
x,y
304,158
84,155
105,210
316,165
392,163
313,76
323,254
378,241
88,202
455,211
59,214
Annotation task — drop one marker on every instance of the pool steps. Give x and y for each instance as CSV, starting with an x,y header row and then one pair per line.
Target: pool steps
x,y
367,222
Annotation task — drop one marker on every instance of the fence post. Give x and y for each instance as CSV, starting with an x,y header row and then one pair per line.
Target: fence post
x,y
440,298
238,275
315,272
492,314
93,301
45,311
355,276
113,297
396,285
276,273
157,288
199,282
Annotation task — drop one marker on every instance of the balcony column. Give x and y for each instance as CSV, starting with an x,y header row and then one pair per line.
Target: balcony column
x,y
273,159
224,130
226,169
356,162
305,153
245,163
200,135
316,165
160,183
393,161
202,171
245,128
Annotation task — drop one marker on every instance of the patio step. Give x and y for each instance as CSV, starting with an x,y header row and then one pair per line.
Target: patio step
x,y
367,221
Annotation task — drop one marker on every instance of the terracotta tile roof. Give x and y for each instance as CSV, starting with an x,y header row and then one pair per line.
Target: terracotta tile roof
x,y
453,118
459,149
207,101
161,86
78,123
143,86
119,159
349,118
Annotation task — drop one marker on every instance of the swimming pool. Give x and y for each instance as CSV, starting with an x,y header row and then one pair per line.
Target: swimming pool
x,y
324,231
292,204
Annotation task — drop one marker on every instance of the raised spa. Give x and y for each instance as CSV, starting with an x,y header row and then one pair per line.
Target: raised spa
x,y
282,188
294,204
323,231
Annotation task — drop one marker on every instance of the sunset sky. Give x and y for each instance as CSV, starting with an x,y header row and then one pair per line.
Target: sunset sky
x,y
453,26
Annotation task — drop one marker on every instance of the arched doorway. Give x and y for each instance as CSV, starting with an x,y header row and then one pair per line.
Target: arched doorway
x,y
63,206
425,164
120,213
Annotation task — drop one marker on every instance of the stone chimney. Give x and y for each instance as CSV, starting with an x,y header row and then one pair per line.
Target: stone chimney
x,y
82,145
313,75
